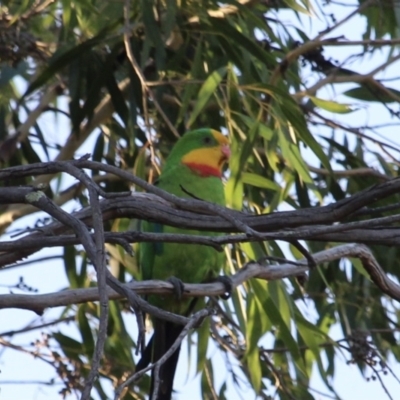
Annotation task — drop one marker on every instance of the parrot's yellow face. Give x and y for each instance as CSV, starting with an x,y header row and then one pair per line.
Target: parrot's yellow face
x,y
211,155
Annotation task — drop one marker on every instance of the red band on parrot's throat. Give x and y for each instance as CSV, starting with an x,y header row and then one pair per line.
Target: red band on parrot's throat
x,y
204,170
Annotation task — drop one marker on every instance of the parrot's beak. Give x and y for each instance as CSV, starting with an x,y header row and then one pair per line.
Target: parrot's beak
x,y
226,153
223,151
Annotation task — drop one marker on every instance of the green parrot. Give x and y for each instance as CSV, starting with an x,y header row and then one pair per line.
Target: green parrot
x,y
192,170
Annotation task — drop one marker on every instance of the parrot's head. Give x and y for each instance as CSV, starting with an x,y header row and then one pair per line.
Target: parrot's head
x,y
204,151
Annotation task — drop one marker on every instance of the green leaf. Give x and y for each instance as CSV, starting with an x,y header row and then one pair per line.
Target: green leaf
x,y
313,336
297,7
153,32
280,317
357,264
253,251
292,112
284,332
60,61
85,331
257,322
203,335
265,132
372,93
118,344
66,15
70,266
71,347
292,156
82,277
259,181
196,71
310,333
332,106
98,151
247,148
238,38
207,379
254,367
29,153
234,186
239,309
221,394
117,97
206,91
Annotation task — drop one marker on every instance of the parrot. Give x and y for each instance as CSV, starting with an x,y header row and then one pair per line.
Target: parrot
x,y
193,169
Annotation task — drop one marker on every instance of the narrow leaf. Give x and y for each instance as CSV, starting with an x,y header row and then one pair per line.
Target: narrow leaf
x,y
259,181
372,93
206,91
332,106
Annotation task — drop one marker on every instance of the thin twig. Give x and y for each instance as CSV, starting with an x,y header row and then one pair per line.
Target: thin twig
x,y
34,327
101,267
357,11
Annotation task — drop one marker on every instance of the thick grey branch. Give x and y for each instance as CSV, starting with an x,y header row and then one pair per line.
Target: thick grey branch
x,y
186,211
251,270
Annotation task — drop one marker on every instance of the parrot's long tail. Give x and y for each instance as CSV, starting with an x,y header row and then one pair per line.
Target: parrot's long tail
x,y
165,334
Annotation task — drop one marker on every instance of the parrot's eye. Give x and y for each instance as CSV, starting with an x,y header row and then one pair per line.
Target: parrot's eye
x,y
207,140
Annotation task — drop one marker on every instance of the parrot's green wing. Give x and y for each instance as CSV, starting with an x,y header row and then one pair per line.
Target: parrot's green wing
x,y
150,250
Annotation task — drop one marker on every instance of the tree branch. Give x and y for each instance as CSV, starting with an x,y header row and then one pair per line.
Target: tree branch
x,y
38,303
308,223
